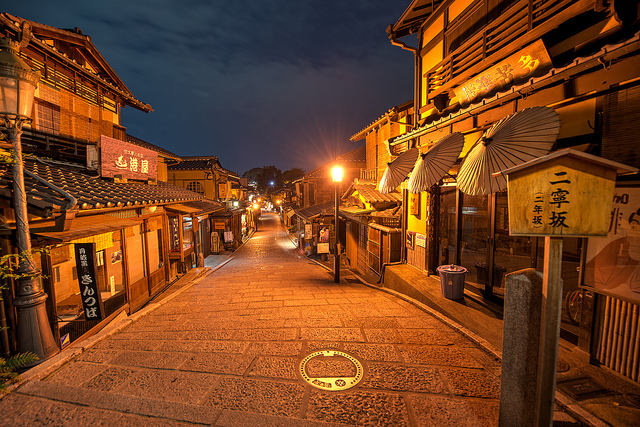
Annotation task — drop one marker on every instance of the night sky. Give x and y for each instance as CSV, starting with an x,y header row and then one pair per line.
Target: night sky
x,y
255,82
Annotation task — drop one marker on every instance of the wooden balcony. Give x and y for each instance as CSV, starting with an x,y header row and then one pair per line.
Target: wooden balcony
x,y
369,175
521,24
55,146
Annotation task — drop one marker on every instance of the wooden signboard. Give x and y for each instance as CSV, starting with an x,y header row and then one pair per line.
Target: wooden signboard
x,y
89,291
531,61
567,193
131,161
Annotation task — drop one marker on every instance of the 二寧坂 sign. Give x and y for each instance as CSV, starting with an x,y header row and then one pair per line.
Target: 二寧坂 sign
x,y
566,193
131,161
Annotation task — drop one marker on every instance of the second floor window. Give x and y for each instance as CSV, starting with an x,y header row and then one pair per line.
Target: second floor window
x,y
196,187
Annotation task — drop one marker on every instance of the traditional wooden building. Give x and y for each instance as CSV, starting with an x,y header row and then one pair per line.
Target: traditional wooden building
x,y
206,176
480,67
90,187
372,230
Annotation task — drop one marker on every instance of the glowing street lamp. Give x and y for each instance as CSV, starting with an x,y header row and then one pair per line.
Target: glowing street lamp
x,y
337,179
17,88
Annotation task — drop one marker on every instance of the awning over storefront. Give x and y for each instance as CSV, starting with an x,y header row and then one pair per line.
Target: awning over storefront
x,y
308,214
89,226
203,206
182,208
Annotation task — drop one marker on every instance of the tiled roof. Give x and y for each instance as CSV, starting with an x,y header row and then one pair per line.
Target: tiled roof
x,y
313,211
199,163
206,205
91,192
370,194
144,144
359,155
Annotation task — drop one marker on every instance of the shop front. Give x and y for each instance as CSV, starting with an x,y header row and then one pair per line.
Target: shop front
x,y
105,236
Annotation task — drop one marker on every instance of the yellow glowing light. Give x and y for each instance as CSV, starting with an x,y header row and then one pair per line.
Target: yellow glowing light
x,y
255,206
337,174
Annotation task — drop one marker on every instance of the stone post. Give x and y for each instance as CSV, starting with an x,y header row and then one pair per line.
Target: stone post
x,y
521,343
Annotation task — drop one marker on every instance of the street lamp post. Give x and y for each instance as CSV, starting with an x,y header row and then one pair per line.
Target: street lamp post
x,y
17,88
337,179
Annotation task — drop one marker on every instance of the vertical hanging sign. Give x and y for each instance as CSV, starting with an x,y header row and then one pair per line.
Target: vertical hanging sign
x,y
89,292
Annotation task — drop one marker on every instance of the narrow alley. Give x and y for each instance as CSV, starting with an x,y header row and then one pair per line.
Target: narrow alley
x,y
228,349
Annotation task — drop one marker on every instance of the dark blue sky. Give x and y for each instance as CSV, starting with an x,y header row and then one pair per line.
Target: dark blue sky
x,y
255,82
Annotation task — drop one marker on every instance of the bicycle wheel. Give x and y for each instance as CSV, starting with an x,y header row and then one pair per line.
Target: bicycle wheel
x,y
573,306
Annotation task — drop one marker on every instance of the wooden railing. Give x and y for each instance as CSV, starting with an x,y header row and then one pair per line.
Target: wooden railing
x,y
369,174
520,24
48,145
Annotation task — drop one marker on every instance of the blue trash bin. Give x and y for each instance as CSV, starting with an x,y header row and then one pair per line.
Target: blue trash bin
x,y
452,280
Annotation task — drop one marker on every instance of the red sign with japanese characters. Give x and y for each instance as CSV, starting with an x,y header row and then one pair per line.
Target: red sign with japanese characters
x,y
130,161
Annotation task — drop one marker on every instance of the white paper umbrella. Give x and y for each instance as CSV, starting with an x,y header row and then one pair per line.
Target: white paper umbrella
x,y
517,138
436,162
397,170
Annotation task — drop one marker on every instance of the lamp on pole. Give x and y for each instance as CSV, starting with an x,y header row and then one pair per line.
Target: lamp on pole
x,y
17,88
337,179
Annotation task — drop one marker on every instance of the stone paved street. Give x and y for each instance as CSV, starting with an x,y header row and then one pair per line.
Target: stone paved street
x,y
227,352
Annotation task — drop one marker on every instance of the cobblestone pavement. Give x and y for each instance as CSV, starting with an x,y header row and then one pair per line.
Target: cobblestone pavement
x,y
227,352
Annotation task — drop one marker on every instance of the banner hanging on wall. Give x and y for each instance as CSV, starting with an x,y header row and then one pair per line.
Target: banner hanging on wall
x,y
613,262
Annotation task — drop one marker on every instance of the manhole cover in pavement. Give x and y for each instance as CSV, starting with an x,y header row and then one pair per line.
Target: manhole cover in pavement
x,y
331,370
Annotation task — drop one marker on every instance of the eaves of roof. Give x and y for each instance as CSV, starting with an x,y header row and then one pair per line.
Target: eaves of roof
x,y
371,195
206,206
312,212
140,143
92,193
13,24
381,121
186,165
604,55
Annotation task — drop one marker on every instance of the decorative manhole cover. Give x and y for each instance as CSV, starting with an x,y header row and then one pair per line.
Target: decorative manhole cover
x,y
331,370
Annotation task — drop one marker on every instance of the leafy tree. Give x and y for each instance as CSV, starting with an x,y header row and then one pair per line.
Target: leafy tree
x,y
8,368
270,178
252,174
292,175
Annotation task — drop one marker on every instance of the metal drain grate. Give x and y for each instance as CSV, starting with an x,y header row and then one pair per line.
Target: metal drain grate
x,y
330,374
582,388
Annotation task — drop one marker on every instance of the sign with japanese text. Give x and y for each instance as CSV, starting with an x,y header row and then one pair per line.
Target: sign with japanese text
x,y
89,292
132,162
410,239
562,194
530,62
174,234
414,204
613,262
